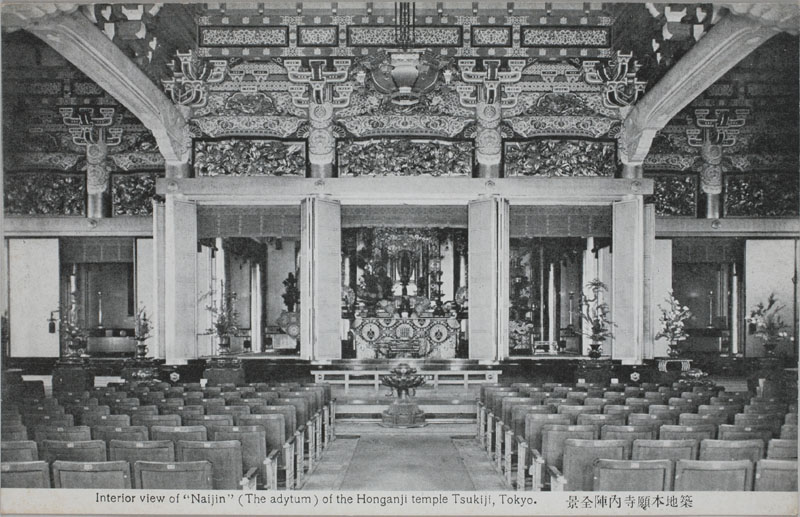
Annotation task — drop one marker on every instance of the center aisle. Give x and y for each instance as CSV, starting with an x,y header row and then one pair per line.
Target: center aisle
x,y
436,457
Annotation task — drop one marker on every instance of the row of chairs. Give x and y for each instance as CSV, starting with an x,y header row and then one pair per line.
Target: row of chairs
x,y
156,412
511,422
148,475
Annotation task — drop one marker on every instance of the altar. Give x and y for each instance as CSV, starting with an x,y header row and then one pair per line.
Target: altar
x,y
423,337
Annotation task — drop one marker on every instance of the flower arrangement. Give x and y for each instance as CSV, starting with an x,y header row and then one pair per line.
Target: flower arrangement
x,y
766,323
225,318
595,312
72,333
672,321
143,327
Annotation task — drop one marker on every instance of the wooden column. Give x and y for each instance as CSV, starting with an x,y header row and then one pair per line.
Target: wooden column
x,y
488,278
157,348
180,282
320,278
33,270
627,285
660,285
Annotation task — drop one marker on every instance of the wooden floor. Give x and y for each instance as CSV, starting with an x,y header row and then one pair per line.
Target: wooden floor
x,y
366,456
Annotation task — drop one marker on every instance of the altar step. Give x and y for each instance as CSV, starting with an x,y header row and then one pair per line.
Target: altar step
x,y
440,409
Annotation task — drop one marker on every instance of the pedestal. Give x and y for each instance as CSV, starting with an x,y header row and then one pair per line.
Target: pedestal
x,y
595,371
224,370
768,378
139,370
402,414
72,374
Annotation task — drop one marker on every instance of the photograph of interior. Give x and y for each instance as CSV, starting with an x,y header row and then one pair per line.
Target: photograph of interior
x,y
455,245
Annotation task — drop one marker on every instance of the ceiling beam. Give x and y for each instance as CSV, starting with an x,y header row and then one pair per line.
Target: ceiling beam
x,y
79,41
725,45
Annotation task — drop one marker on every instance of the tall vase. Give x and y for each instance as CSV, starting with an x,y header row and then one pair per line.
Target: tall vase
x,y
141,349
769,347
673,351
596,348
224,345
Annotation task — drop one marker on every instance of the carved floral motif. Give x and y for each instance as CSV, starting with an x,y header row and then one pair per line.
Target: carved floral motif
x,y
132,194
402,157
675,194
44,193
249,158
761,195
592,127
264,126
560,158
428,125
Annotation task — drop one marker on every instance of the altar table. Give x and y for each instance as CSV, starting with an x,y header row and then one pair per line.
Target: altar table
x,y
407,337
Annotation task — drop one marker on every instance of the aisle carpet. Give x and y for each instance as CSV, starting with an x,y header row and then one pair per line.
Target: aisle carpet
x,y
405,461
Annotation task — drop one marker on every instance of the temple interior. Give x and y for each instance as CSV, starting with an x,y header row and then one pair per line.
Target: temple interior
x,y
491,212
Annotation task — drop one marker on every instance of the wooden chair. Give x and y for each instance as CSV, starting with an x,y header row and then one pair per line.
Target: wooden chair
x,y
24,474
509,403
131,432
579,457
764,408
788,432
301,406
151,420
638,405
654,421
665,449
289,416
226,462
740,432
209,421
726,410
33,421
518,416
12,432
573,411
133,450
615,397
633,475
250,402
68,434
82,474
256,453
619,409
132,411
627,433
751,450
701,476
664,410
580,396
778,449
685,432
554,437
693,419
599,420
655,397
93,420
227,410
316,398
19,451
86,450
183,411
790,418
191,475
534,425
771,421
265,395
184,432
774,475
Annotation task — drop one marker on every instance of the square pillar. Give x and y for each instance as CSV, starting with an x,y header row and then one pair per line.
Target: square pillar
x,y
627,283
320,278
180,280
488,246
